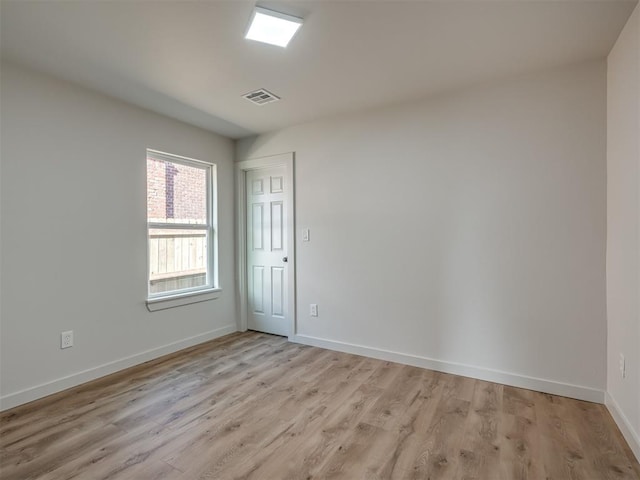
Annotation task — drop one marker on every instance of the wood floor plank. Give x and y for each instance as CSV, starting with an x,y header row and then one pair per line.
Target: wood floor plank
x,y
392,403
438,456
312,451
35,460
519,402
312,400
600,444
519,449
561,449
413,427
119,456
253,422
254,406
479,455
219,381
358,454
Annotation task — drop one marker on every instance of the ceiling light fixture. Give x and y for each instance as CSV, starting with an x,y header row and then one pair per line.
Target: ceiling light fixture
x,y
271,27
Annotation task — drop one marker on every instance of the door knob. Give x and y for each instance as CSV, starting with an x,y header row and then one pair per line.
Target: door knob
x,y
285,259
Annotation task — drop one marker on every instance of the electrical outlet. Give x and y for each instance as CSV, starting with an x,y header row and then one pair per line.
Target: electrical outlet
x,y
66,339
623,366
314,310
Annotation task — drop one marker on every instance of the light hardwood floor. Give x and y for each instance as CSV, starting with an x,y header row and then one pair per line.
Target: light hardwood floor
x,y
254,406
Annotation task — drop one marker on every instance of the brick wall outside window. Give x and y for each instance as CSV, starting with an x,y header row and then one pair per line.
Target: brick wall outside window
x,y
175,193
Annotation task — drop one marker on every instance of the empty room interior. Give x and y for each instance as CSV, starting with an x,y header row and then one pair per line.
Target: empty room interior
x,y
320,239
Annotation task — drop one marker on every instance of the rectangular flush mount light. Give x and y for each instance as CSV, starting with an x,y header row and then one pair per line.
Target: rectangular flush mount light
x,y
271,27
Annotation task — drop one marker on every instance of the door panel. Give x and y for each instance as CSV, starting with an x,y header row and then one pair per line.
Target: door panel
x,y
258,289
277,227
266,250
257,220
277,291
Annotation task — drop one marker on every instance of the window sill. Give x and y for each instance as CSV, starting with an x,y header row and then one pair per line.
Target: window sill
x,y
171,301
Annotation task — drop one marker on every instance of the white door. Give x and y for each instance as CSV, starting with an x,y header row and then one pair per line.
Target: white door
x,y
267,292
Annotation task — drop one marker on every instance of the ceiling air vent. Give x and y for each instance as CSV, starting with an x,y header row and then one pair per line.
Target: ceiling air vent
x,y
261,96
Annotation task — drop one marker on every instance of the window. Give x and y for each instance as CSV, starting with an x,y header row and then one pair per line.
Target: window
x,y
181,226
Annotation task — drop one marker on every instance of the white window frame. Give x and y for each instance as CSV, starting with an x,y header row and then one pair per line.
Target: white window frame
x,y
175,298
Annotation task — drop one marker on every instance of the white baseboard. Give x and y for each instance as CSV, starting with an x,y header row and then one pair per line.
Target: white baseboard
x,y
34,393
631,436
513,379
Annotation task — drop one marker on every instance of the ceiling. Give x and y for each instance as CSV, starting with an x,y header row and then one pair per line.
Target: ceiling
x,y
190,61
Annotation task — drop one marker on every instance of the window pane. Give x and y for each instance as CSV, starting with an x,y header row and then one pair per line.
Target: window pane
x,y
177,259
176,193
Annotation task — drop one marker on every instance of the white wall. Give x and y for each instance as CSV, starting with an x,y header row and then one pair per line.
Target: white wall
x,y
623,230
74,238
468,229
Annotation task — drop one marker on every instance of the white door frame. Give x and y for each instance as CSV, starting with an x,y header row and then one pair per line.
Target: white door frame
x,y
286,160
